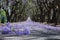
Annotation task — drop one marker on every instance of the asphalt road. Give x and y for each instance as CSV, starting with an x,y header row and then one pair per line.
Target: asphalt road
x,y
36,34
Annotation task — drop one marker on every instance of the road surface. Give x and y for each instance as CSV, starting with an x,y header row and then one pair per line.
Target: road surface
x,y
39,34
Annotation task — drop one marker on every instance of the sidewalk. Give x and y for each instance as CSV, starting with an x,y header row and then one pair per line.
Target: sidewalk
x,y
51,24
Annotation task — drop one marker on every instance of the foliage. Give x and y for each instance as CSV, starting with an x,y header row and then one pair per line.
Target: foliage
x,y
38,10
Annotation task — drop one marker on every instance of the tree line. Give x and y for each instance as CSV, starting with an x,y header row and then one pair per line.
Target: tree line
x,y
49,11
39,10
